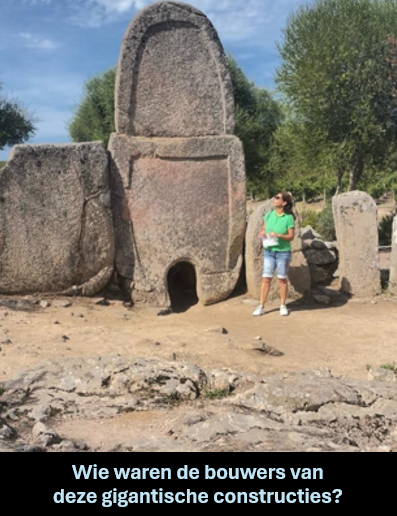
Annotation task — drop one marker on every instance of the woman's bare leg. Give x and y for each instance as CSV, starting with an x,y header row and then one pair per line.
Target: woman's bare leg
x,y
283,290
266,282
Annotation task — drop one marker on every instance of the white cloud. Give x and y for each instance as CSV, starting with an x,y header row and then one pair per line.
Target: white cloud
x,y
248,22
37,42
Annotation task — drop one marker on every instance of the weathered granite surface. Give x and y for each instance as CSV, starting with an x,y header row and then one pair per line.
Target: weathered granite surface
x,y
180,200
177,173
56,229
172,77
193,409
355,216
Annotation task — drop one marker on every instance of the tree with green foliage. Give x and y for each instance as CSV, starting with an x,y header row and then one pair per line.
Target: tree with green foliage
x,y
16,125
257,117
94,117
339,77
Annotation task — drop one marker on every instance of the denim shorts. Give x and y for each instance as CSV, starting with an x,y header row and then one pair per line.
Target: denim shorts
x,y
279,260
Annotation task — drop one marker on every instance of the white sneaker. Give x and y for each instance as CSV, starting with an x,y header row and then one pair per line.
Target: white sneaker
x,y
284,310
258,311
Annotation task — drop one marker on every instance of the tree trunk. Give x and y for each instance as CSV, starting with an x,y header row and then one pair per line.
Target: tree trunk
x,y
339,182
356,172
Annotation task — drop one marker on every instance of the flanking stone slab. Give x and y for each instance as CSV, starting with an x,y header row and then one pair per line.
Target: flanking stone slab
x,y
355,216
180,200
56,230
299,273
172,77
393,261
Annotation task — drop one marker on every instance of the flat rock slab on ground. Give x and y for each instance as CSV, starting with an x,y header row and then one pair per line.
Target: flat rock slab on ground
x,y
153,405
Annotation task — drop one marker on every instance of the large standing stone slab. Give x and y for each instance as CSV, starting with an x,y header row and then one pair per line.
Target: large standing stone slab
x,y
172,77
299,273
56,231
355,216
393,261
178,175
178,201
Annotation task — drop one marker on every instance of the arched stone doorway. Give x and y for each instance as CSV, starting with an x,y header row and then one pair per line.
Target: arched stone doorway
x,y
182,287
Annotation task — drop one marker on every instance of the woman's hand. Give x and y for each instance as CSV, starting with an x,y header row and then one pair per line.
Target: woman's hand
x,y
273,235
262,234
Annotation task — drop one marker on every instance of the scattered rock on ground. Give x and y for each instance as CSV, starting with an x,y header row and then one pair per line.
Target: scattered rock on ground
x,y
217,329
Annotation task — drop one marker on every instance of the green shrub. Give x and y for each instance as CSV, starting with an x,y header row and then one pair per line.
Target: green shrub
x,y
217,394
390,367
326,224
385,229
309,218
322,222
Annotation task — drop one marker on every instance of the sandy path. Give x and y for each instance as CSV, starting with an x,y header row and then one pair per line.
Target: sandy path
x,y
343,338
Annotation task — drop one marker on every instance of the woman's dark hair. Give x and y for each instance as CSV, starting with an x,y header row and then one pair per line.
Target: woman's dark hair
x,y
289,207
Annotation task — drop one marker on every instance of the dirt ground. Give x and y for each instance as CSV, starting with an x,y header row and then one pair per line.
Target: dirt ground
x,y
345,338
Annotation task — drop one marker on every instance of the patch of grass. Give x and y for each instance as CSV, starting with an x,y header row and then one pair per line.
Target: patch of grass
x,y
390,367
217,394
3,164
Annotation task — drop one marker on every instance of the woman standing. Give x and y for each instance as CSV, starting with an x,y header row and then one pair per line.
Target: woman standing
x,y
279,230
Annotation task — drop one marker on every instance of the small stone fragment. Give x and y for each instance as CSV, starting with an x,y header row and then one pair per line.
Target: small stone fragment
x,y
217,329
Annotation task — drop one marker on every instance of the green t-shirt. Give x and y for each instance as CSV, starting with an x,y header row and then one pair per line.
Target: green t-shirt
x,y
279,224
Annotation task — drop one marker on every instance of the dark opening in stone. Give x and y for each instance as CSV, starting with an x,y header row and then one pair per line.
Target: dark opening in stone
x,y
182,283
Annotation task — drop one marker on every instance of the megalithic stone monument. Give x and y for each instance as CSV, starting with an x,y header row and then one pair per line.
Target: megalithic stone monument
x,y
177,171
355,216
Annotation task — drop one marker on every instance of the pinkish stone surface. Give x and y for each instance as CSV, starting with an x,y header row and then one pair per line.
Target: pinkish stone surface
x,y
178,201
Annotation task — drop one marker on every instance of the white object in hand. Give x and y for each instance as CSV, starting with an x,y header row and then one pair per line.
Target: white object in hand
x,y
269,241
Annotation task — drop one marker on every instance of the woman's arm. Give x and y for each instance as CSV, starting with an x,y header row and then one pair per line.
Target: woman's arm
x,y
288,237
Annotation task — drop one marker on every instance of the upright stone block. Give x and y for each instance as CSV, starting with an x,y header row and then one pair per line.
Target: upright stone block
x,y
173,78
393,260
177,173
56,229
299,273
355,216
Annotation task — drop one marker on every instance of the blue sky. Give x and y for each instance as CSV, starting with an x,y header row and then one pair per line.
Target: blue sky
x,y
49,48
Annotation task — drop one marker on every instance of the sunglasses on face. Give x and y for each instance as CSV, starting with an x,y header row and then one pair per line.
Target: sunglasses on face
x,y
278,197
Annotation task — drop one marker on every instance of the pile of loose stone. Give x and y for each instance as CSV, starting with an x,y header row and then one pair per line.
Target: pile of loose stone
x,y
321,256
200,410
